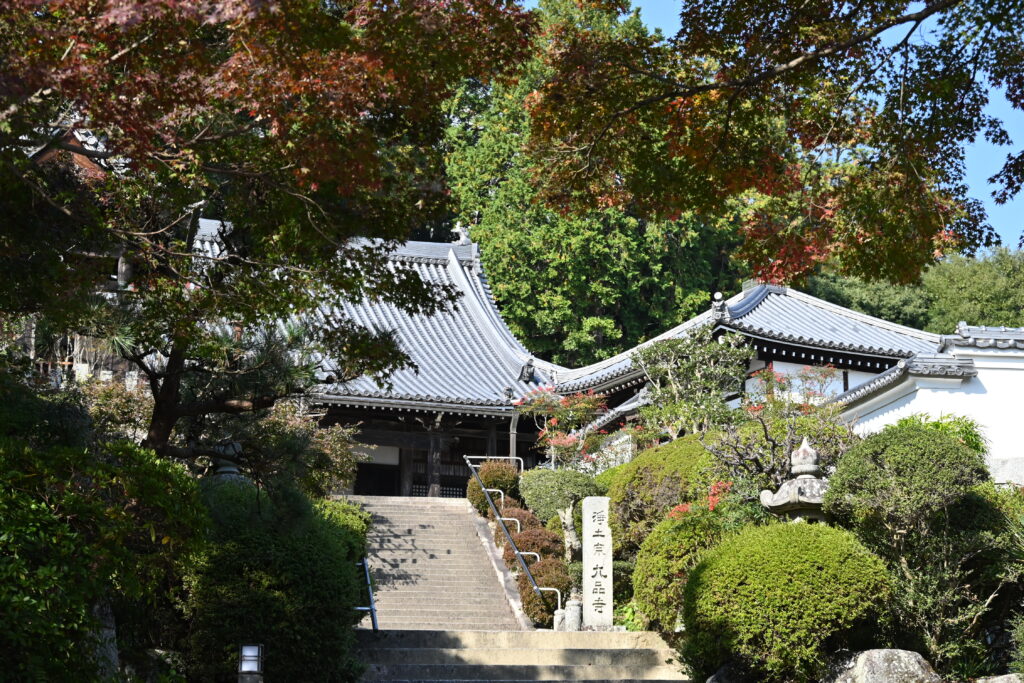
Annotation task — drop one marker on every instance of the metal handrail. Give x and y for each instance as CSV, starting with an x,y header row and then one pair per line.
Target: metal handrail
x,y
519,525
499,492
508,537
372,609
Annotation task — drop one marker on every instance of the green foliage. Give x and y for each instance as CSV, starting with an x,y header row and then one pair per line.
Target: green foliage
x,y
550,572
689,379
988,290
1017,635
283,444
548,491
673,548
895,481
534,540
559,421
278,571
78,528
567,283
605,479
649,485
780,599
920,498
495,474
963,429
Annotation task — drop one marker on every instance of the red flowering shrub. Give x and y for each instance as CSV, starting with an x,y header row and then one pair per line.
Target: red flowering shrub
x,y
538,540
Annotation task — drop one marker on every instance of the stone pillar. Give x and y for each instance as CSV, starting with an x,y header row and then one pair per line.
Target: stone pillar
x,y
597,564
573,615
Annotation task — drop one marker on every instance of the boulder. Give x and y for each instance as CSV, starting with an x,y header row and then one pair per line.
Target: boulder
x,y
1005,678
891,666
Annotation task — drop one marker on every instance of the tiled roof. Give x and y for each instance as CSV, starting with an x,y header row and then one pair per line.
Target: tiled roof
x,y
984,337
922,365
465,358
778,314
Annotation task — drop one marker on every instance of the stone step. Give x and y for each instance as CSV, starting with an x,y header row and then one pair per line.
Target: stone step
x,y
625,640
644,658
533,672
466,551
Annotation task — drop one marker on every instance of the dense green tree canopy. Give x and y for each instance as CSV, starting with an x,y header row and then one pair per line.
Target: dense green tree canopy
x,y
580,287
840,126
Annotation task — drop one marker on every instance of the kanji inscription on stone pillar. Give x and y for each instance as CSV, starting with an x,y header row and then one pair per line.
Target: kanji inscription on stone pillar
x,y
597,563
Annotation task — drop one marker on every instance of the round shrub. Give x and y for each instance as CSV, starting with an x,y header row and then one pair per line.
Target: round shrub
x,y
496,474
778,600
899,478
648,486
527,520
537,540
664,561
550,572
279,571
605,480
548,491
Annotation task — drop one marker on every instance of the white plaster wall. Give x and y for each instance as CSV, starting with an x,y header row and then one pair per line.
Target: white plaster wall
x,y
993,399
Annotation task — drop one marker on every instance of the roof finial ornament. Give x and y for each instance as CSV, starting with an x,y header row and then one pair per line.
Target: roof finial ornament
x,y
719,309
463,234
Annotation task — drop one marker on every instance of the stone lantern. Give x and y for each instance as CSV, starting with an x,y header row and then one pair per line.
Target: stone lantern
x,y
800,498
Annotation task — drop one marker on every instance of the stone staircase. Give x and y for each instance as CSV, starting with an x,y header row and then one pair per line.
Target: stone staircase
x,y
430,567
516,656
445,615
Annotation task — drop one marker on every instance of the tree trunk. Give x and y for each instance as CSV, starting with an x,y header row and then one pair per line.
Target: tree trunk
x,y
166,400
573,546
105,644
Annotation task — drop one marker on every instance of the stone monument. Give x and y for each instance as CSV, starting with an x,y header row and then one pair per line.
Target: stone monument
x,y
597,564
800,498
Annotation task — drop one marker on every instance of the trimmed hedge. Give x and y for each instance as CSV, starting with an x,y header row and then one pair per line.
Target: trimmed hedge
x,y
280,572
900,477
650,485
778,600
496,474
550,572
537,540
548,491
605,480
664,562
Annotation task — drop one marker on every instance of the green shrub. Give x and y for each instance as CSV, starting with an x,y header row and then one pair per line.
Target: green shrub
x,y
548,491
281,572
537,540
918,496
78,528
675,546
496,474
963,429
663,564
652,483
605,480
549,573
778,600
896,480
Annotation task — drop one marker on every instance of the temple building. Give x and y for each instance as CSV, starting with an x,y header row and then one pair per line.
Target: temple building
x,y
471,372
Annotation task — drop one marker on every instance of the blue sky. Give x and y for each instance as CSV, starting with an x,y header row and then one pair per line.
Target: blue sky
x,y
983,159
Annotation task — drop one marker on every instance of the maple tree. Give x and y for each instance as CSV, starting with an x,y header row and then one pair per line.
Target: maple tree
x,y
839,128
299,125
568,285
